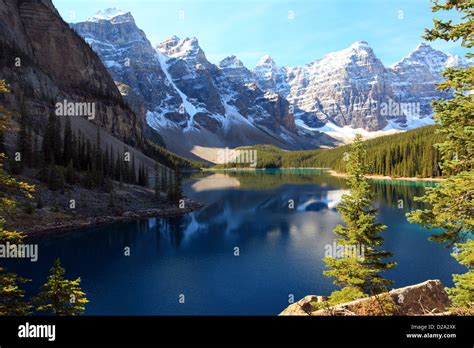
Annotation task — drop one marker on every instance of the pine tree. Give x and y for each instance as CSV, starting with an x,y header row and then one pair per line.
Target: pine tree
x,y
60,296
462,295
158,188
70,174
140,174
11,295
146,176
163,179
106,162
68,145
125,167
98,152
359,275
47,146
450,204
57,142
56,178
118,168
178,189
133,172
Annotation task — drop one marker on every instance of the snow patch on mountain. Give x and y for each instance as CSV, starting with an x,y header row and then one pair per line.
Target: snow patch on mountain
x,y
191,110
340,94
347,133
106,15
174,47
412,123
157,120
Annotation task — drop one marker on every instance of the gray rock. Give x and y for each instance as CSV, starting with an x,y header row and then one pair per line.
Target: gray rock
x,y
427,298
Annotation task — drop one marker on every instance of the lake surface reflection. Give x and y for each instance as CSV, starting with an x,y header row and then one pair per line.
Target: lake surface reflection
x,y
280,249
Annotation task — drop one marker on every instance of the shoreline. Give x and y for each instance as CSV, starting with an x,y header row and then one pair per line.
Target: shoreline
x,y
84,222
386,177
257,169
331,172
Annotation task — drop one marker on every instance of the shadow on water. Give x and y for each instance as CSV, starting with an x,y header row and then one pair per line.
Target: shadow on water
x,y
279,221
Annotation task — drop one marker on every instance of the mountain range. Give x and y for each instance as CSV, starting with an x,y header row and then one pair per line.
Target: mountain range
x,y
196,105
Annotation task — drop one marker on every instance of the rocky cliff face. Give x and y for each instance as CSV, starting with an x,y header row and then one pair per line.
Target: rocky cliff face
x,y
187,96
414,78
45,62
342,88
352,87
227,103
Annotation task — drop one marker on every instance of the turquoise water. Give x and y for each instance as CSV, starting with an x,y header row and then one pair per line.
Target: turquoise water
x,y
280,249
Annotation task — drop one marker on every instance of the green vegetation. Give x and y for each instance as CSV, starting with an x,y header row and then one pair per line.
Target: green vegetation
x,y
75,154
408,154
358,273
12,295
60,296
67,157
450,205
462,295
170,159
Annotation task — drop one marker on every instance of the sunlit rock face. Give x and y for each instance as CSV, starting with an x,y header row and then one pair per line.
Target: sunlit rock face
x,y
353,88
57,65
182,90
227,104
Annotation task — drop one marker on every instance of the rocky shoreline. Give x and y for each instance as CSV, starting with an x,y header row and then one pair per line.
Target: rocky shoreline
x,y
80,223
77,208
427,298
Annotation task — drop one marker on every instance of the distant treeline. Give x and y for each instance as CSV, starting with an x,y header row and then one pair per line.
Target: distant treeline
x,y
407,154
61,155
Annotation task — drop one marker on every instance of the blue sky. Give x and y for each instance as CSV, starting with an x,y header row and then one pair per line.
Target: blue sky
x,y
292,32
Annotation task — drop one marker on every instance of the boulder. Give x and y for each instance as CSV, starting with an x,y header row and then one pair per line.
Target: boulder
x,y
427,298
303,306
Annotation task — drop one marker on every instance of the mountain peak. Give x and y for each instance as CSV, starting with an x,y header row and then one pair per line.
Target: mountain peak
x,y
266,61
360,44
424,47
359,48
184,48
169,41
109,14
230,62
424,54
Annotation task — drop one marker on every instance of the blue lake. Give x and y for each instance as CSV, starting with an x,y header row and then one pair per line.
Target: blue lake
x,y
280,248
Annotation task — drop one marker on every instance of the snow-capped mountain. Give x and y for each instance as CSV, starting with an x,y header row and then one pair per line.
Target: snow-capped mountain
x,y
352,88
414,78
269,76
107,14
192,102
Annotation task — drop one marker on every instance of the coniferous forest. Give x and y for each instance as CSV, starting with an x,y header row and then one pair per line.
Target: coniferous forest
x,y
62,157
408,154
